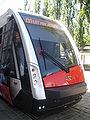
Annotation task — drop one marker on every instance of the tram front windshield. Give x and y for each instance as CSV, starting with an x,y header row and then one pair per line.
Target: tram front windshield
x,y
56,43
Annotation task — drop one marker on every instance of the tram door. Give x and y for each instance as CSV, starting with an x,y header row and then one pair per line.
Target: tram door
x,y
7,60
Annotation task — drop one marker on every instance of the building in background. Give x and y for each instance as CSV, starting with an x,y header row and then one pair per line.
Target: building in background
x,y
85,57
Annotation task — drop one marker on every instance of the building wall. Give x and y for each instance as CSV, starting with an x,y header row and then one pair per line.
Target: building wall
x,y
85,57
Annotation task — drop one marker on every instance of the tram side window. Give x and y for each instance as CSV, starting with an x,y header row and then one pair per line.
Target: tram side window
x,y
19,53
7,60
21,60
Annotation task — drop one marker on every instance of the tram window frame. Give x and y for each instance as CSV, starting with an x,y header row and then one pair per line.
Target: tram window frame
x,y
5,45
7,54
25,76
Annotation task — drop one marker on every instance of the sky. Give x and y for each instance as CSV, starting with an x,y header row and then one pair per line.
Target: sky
x,y
16,4
6,4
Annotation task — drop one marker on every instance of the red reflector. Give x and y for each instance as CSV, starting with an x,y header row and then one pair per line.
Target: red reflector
x,y
33,69
50,85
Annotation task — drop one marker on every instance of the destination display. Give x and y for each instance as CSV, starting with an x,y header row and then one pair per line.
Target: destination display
x,y
40,22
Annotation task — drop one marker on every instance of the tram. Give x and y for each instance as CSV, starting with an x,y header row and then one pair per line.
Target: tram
x,y
40,66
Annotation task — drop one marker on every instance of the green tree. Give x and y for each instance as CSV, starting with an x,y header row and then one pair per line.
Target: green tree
x,y
87,9
82,25
46,8
57,9
81,29
37,6
52,8
25,5
67,12
77,20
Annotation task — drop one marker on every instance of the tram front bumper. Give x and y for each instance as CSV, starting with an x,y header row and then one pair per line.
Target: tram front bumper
x,y
60,96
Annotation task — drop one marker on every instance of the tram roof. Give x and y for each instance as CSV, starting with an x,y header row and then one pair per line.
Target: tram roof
x,y
9,12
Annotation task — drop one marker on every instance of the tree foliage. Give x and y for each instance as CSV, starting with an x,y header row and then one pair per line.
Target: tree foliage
x,y
87,9
57,9
37,6
46,8
25,5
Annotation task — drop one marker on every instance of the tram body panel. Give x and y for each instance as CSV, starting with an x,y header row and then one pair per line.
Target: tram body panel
x,y
62,78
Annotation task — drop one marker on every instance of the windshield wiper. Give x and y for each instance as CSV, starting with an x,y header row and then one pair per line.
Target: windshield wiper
x,y
56,62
